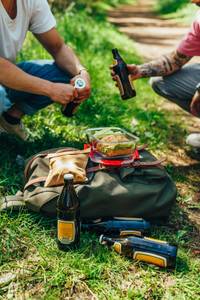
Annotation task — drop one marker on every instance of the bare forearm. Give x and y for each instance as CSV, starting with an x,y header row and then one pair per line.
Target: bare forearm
x,y
66,59
166,65
13,77
63,55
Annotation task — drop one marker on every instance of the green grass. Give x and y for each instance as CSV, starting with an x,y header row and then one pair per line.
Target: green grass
x,y
28,250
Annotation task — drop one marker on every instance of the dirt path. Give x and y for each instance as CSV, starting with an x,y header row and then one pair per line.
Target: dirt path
x,y
153,35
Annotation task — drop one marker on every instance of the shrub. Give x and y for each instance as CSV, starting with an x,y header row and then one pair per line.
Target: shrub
x,y
168,6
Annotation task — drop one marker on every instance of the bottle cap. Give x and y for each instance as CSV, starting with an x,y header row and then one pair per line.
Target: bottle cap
x,y
80,83
101,239
68,177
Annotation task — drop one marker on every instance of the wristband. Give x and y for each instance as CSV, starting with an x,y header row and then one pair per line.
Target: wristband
x,y
82,69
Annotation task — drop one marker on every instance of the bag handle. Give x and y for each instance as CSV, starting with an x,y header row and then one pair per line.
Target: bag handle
x,y
136,164
34,181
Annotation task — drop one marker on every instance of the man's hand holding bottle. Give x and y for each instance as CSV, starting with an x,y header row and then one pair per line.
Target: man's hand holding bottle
x,y
83,93
134,72
64,93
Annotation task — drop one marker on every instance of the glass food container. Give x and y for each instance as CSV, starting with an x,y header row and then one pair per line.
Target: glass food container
x,y
111,142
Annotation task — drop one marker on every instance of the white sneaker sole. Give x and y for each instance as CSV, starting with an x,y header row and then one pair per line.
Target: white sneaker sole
x,y
193,140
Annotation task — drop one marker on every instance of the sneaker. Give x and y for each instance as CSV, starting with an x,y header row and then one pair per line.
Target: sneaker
x,y
193,140
17,130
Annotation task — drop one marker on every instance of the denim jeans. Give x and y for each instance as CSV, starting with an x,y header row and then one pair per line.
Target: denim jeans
x,y
5,103
45,69
179,87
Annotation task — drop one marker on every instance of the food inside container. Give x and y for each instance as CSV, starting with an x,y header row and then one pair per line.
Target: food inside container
x,y
111,141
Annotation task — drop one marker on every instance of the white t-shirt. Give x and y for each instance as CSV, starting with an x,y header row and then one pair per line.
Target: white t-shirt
x,y
32,15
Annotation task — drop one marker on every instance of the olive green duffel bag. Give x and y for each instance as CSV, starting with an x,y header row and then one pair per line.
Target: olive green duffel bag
x,y
142,190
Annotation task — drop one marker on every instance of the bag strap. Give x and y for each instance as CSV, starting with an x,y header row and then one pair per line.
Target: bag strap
x,y
34,181
58,154
15,202
61,151
137,164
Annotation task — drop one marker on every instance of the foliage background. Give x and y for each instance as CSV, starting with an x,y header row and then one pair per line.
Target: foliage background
x,y
167,6
181,10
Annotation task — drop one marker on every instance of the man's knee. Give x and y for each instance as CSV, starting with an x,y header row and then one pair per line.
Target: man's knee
x,y
163,88
155,83
168,90
45,69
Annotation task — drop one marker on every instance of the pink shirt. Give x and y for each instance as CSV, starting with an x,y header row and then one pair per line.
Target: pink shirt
x,y
190,45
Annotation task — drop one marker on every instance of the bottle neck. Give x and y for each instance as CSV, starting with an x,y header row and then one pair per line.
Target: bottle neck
x,y
116,55
69,198
68,185
109,241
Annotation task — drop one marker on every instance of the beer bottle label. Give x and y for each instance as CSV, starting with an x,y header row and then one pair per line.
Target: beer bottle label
x,y
117,247
132,84
120,85
66,231
150,258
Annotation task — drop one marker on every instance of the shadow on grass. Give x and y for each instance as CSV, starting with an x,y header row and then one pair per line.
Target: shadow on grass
x,y
11,178
180,173
11,146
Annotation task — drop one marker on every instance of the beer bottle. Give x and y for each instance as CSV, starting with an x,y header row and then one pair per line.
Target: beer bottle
x,y
122,227
68,216
70,109
145,249
125,84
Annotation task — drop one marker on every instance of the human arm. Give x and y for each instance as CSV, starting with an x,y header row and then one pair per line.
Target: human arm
x,y
65,58
13,77
165,65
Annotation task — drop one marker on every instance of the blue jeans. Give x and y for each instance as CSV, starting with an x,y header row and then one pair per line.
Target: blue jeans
x,y
45,69
5,103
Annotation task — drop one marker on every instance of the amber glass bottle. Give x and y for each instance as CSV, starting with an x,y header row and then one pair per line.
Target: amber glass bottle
x,y
68,216
144,249
125,84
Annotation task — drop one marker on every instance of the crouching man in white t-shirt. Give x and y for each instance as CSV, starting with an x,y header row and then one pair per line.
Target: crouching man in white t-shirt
x,y
31,86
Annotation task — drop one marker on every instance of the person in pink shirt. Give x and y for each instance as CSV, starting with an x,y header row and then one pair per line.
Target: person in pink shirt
x,y
174,81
